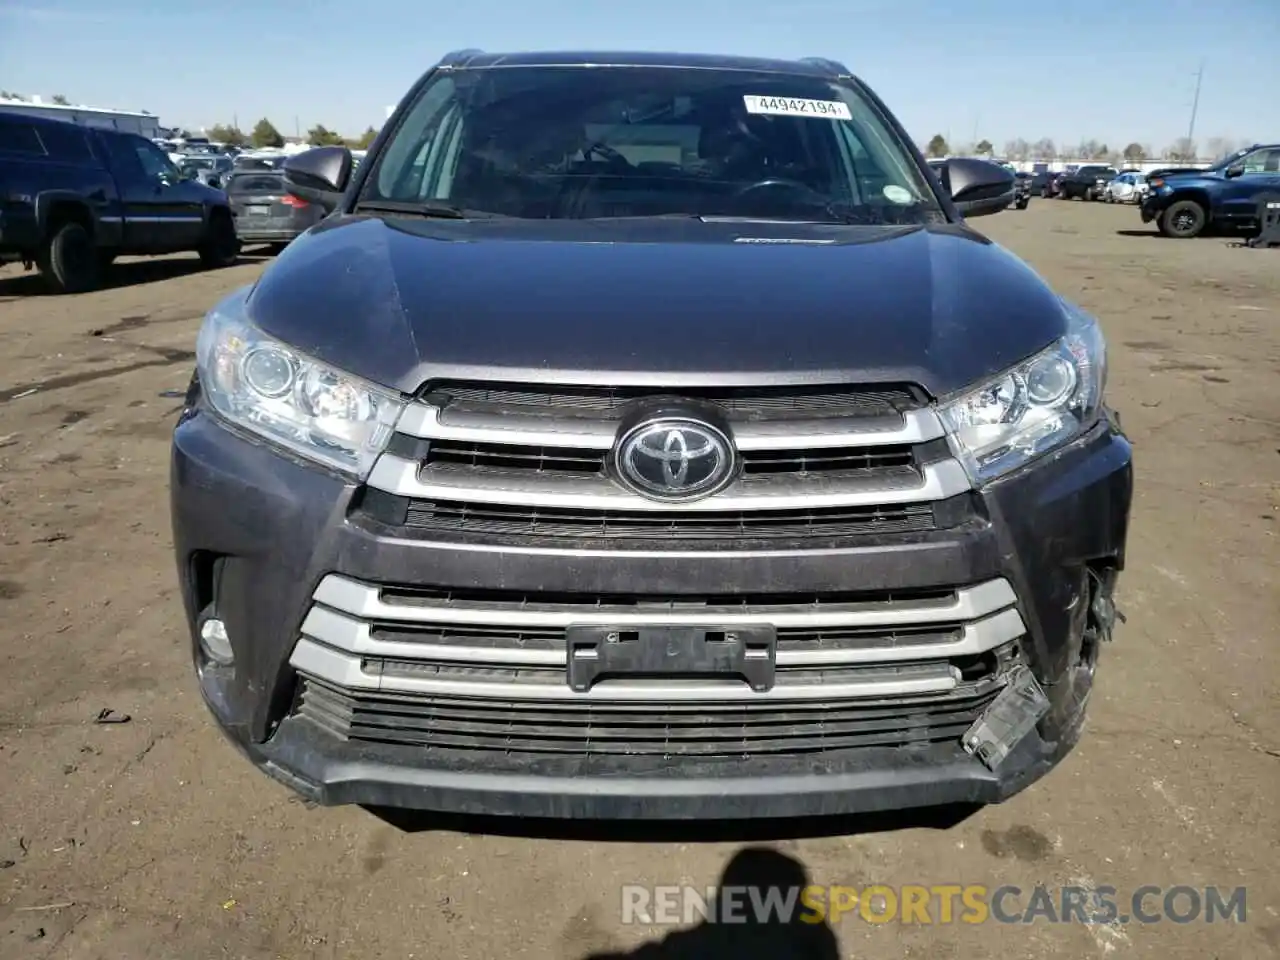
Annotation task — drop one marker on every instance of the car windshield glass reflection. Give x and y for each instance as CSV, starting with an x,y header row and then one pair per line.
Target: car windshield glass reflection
x,y
564,142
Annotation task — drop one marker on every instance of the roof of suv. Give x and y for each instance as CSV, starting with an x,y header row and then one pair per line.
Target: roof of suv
x,y
477,59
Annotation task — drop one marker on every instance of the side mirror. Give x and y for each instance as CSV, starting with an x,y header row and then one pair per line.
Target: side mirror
x,y
319,176
978,188
1235,170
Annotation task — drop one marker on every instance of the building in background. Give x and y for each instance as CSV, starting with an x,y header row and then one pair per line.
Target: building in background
x,y
127,121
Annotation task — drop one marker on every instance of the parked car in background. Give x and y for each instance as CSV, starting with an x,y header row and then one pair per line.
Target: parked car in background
x,y
1086,183
257,161
209,169
1049,183
76,197
1021,190
1224,196
1129,187
265,210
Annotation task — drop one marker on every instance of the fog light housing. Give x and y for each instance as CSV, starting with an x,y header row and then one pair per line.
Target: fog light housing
x,y
215,644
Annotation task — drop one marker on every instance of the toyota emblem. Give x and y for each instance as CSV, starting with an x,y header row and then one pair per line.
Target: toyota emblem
x,y
675,459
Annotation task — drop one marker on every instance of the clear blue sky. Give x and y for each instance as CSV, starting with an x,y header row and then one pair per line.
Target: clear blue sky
x,y
1084,69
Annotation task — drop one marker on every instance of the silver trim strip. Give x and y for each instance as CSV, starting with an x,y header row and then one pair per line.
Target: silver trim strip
x,y
355,636
406,478
346,671
429,422
366,602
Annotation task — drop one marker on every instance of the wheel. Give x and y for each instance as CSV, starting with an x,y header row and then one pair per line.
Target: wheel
x,y
1023,203
69,262
1183,220
221,246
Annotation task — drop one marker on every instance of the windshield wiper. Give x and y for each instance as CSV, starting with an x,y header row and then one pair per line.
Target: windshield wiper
x,y
439,209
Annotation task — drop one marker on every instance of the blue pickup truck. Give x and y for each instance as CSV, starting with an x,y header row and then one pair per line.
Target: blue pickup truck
x,y
1224,196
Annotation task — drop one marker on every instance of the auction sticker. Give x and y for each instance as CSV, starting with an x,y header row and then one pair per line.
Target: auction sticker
x,y
897,194
794,107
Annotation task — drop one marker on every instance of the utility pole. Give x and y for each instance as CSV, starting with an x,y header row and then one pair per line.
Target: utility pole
x,y
1195,105
297,127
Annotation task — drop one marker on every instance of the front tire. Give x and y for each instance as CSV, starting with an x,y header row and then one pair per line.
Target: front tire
x,y
1184,220
69,261
221,247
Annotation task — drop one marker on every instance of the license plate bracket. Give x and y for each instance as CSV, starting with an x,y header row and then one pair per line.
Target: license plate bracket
x,y
747,653
258,210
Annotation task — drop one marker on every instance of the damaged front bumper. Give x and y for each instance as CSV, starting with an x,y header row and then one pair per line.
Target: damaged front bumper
x,y
279,549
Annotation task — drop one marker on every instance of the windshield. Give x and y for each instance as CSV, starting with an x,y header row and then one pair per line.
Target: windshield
x,y
575,142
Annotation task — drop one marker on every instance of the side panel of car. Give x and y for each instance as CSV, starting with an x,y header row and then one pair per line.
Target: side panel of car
x,y
52,166
173,206
143,227
1236,201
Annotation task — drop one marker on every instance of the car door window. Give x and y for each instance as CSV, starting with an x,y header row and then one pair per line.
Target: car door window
x,y
125,163
19,137
154,163
1262,161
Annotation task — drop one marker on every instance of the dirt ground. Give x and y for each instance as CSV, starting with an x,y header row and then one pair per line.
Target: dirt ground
x,y
153,839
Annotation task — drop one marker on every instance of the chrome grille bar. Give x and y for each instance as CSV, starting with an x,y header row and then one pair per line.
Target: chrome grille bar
x,y
366,602
430,422
349,671
407,478
356,636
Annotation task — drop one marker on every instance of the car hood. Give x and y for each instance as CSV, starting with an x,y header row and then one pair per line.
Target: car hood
x,y
654,302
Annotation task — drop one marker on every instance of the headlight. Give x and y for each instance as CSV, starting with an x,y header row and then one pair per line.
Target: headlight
x,y
272,390
1040,404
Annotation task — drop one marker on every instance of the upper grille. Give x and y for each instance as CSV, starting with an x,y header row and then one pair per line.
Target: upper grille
x,y
743,403
534,461
581,460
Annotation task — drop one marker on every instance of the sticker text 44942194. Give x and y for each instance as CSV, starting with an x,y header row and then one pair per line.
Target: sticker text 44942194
x,y
795,107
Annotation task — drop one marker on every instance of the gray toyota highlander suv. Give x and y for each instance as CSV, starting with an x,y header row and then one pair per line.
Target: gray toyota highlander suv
x,y
648,436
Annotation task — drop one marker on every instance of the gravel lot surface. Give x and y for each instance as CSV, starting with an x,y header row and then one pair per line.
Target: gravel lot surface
x,y
153,839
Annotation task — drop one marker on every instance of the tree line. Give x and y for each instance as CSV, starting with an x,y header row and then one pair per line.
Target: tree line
x,y
1182,150
265,135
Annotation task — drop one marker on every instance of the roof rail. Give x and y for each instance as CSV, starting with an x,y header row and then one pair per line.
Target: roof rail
x,y
458,57
835,66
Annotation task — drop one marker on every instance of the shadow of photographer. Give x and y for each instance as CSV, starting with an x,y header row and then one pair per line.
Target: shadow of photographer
x,y
735,930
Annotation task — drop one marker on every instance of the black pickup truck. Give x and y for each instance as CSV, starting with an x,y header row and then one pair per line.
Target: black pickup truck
x,y
1086,183
73,198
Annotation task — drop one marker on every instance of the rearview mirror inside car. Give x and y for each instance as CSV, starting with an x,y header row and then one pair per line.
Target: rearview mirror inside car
x,y
319,176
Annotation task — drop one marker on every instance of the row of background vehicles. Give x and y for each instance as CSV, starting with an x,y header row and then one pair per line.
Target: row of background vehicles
x,y
1183,202
81,196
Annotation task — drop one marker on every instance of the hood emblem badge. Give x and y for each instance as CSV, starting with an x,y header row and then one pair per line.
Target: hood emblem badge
x,y
674,458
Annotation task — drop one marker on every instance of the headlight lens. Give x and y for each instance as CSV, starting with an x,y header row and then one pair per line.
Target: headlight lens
x,y
1040,404
272,390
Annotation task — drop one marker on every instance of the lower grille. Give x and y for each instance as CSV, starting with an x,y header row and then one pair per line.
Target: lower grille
x,y
594,729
